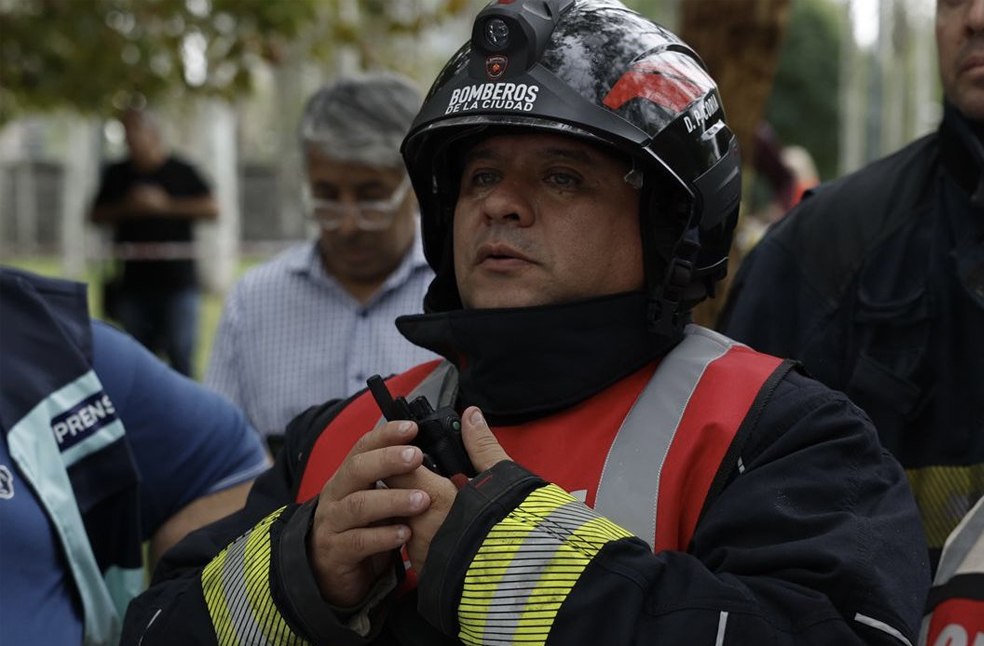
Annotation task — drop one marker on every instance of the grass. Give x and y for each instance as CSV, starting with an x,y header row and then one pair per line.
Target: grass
x,y
211,303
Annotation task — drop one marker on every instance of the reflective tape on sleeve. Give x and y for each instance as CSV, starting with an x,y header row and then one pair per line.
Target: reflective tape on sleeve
x,y
527,566
236,585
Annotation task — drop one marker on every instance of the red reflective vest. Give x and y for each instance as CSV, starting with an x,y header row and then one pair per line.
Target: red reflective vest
x,y
643,452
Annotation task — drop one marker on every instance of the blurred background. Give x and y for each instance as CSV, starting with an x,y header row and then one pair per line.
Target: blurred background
x,y
813,89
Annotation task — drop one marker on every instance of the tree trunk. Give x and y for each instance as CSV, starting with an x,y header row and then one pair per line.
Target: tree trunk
x,y
739,41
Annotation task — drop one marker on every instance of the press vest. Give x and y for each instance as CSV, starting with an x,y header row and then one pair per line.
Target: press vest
x,y
645,452
65,438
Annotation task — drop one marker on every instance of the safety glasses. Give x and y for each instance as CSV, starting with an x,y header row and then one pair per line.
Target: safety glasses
x,y
370,215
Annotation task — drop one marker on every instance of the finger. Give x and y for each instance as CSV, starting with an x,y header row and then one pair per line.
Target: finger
x,y
362,470
425,525
356,473
364,508
339,554
385,434
419,478
483,449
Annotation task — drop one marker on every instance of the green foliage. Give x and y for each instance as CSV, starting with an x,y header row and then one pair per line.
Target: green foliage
x,y
389,33
804,105
95,56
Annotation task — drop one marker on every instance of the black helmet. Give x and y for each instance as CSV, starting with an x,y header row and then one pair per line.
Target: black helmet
x,y
596,70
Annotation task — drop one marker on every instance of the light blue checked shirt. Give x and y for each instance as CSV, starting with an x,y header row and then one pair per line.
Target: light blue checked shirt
x,y
291,337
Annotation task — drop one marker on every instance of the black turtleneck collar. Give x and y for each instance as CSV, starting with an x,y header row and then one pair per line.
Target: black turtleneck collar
x,y
521,363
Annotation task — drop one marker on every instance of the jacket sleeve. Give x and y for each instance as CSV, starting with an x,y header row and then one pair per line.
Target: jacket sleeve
x,y
245,579
814,539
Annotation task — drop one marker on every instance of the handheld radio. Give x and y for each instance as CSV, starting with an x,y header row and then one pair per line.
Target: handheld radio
x,y
439,431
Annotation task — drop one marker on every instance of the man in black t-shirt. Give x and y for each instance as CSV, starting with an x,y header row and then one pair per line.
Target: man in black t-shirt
x,y
152,200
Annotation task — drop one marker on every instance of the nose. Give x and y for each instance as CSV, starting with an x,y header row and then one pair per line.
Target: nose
x,y
349,224
509,202
975,16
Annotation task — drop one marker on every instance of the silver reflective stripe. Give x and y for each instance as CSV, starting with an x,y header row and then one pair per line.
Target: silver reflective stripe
x,y
964,549
237,596
33,447
882,626
722,627
523,575
438,387
629,484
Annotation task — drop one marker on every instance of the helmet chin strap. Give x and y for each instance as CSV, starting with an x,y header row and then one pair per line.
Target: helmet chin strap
x,y
670,242
665,311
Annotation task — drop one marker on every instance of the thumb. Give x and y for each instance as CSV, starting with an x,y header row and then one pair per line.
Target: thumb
x,y
483,449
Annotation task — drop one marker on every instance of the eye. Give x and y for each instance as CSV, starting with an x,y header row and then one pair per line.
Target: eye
x,y
324,192
482,178
371,192
563,179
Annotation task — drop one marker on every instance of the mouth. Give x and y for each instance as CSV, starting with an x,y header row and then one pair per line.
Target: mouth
x,y
497,254
353,253
972,62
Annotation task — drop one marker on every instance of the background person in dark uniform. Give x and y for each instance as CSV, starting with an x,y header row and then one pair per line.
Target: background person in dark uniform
x,y
152,199
875,282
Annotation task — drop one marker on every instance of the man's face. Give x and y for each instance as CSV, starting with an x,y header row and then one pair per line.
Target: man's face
x,y
544,219
142,139
960,45
353,255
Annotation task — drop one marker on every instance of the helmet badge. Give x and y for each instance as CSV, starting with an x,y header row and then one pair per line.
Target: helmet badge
x,y
495,66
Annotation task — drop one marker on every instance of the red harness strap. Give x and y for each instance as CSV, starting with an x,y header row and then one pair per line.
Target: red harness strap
x,y
706,431
727,379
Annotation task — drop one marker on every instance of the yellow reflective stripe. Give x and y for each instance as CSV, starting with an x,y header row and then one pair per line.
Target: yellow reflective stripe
x,y
256,575
527,566
945,494
486,571
236,587
214,597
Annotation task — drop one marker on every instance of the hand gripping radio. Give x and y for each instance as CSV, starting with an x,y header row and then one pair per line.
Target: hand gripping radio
x,y
438,434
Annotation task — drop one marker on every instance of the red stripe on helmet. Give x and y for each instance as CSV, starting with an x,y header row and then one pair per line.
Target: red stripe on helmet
x,y
664,85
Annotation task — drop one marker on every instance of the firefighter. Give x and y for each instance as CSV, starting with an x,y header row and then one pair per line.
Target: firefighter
x,y
633,478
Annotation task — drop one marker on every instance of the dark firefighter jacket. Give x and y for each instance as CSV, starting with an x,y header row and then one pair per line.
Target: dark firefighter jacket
x,y
876,284
804,532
